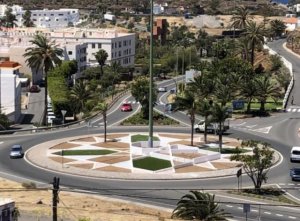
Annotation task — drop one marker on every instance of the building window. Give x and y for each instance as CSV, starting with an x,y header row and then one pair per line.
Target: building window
x,y
34,14
56,19
34,19
129,42
93,45
115,44
60,14
129,50
70,53
112,46
124,43
99,45
52,14
91,33
120,44
120,54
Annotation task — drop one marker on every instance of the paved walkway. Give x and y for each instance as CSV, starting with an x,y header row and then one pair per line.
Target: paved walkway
x,y
187,162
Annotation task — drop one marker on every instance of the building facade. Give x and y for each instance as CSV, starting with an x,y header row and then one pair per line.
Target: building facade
x,y
10,90
7,207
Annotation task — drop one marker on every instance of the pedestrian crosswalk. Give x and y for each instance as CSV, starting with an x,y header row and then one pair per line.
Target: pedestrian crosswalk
x,y
293,109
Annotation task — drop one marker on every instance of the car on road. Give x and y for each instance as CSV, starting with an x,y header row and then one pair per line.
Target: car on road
x,y
295,173
295,154
16,151
34,89
162,89
126,107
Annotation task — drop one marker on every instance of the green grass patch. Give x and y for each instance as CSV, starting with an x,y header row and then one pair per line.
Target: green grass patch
x,y
140,137
158,119
227,150
151,163
272,194
83,152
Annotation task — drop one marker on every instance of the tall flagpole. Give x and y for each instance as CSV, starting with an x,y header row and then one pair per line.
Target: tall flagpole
x,y
150,140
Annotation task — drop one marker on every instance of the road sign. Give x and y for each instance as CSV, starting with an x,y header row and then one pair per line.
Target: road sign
x,y
239,173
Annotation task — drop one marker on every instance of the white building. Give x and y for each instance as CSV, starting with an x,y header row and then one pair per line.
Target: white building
x,y
10,90
45,18
7,206
158,9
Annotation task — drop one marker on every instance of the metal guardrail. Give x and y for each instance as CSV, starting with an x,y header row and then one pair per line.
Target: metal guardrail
x,y
67,125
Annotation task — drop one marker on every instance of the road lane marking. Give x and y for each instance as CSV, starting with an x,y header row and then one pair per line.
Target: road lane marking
x,y
278,214
240,208
229,206
268,213
291,217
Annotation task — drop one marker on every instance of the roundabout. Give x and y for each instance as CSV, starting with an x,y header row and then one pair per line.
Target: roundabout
x,y
122,158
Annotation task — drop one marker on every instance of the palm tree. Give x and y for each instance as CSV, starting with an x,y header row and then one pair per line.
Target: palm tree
x,y
198,205
241,18
189,103
243,48
205,111
248,90
255,34
45,55
27,22
277,27
265,89
219,115
103,108
80,94
101,57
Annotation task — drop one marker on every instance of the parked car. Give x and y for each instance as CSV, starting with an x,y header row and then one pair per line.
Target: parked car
x,y
34,89
295,154
126,107
295,173
211,127
162,89
16,151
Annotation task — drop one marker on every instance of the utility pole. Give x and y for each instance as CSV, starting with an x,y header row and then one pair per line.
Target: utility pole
x,y
55,199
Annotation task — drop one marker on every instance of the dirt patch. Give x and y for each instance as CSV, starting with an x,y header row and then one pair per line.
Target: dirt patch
x,y
188,155
113,136
190,169
176,136
85,139
82,165
63,146
110,159
224,165
233,143
114,169
113,145
61,159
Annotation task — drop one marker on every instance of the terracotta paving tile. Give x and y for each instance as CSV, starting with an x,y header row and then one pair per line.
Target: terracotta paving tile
x,y
65,146
233,143
110,159
85,139
112,145
114,169
83,165
113,136
190,169
60,160
225,165
176,136
188,155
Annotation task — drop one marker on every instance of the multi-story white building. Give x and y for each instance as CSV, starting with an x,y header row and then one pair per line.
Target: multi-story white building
x,y
45,18
10,90
7,206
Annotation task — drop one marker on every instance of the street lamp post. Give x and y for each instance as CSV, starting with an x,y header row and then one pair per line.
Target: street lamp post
x,y
150,140
63,112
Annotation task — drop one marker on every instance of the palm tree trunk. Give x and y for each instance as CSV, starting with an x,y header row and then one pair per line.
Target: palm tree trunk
x,y
262,106
45,120
192,129
220,137
248,106
205,130
252,53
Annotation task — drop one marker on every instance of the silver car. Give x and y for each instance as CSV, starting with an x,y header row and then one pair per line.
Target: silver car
x,y
16,151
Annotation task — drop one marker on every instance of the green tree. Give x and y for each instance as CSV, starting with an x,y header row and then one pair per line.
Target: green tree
x,y
277,27
4,122
248,90
101,57
189,103
219,115
9,19
27,22
241,18
79,95
205,110
43,56
103,108
266,88
258,164
198,205
255,34
16,214
140,91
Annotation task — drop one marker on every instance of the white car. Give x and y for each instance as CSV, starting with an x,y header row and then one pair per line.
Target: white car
x,y
162,89
295,154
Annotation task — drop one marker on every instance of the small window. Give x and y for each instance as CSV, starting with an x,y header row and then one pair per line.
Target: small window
x,y
60,14
91,33
34,19
56,19
93,45
120,44
120,54
52,14
99,45
70,52
34,14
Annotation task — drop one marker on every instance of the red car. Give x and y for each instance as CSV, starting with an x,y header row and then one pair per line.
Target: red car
x,y
34,89
126,107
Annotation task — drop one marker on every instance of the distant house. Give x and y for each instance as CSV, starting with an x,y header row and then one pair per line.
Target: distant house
x,y
10,90
7,207
291,23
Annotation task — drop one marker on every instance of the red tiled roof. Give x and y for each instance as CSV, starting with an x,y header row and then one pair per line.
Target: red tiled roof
x,y
291,20
9,64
